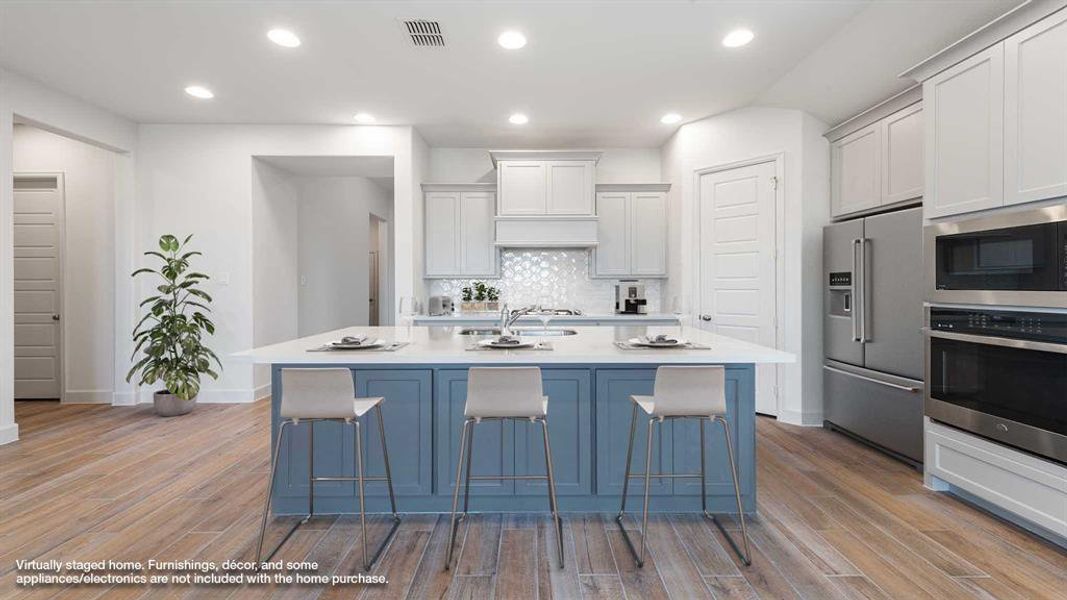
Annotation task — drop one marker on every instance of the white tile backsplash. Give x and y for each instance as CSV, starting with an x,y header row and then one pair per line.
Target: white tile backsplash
x,y
551,278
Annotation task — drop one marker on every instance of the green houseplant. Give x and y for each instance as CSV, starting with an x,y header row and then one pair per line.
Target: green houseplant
x,y
169,337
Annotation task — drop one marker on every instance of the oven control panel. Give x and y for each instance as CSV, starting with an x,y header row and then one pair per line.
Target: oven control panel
x,y
1022,325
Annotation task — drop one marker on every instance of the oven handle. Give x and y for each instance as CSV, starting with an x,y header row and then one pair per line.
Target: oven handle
x,y
998,341
906,388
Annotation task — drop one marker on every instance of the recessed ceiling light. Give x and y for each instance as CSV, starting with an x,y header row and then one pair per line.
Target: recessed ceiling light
x,y
737,38
518,119
283,37
512,40
364,118
199,91
670,118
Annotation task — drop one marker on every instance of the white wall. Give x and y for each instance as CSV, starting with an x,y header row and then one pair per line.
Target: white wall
x,y
88,320
472,165
198,179
26,100
274,265
742,135
334,242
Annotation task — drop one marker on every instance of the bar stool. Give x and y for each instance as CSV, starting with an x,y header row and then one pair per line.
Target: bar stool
x,y
496,394
327,395
682,393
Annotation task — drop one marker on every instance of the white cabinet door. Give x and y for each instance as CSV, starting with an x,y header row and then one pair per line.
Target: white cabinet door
x,y
612,254
477,251
570,187
522,187
648,226
902,155
442,233
1035,112
856,163
964,149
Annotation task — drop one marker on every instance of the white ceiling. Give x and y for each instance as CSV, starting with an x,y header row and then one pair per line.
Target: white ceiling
x,y
593,73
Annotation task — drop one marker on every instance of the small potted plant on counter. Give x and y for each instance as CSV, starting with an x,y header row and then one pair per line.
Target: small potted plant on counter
x,y
467,305
480,295
170,335
492,296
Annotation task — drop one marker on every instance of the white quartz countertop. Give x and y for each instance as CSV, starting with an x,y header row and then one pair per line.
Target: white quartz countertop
x,y
495,317
441,345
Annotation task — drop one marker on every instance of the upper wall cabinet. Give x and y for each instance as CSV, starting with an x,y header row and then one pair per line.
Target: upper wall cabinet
x,y
545,183
1035,111
998,123
459,230
631,231
879,164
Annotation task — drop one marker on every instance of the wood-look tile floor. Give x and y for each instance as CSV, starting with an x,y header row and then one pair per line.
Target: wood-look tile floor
x,y
836,520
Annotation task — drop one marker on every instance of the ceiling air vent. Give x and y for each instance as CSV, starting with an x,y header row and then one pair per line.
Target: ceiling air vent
x,y
425,34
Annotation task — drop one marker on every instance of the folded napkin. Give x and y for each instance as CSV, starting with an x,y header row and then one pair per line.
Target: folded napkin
x,y
507,340
350,340
662,339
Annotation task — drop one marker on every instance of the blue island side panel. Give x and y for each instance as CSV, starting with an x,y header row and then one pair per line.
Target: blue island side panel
x,y
589,418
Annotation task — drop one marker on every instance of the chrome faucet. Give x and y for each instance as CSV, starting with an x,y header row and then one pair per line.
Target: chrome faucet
x,y
508,318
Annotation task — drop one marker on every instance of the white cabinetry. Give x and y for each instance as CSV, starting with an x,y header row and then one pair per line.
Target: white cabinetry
x,y
545,183
964,138
1035,111
459,230
631,231
879,164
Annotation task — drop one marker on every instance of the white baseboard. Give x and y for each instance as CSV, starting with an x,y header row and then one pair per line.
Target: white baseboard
x,y
261,392
9,433
88,397
796,417
127,398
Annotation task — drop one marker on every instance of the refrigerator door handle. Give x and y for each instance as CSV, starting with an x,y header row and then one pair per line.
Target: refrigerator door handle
x,y
857,295
865,307
906,388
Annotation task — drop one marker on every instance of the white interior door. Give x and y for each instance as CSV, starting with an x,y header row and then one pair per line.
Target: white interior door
x,y
38,240
737,270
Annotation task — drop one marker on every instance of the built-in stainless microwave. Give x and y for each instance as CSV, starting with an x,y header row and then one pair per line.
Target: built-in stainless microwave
x,y
1012,259
1001,374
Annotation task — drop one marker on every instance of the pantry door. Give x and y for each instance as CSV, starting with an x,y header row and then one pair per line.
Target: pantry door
x,y
737,270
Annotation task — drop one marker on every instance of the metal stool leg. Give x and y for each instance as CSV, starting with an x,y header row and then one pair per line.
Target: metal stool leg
x,y
311,472
266,507
648,482
746,556
629,461
703,471
385,459
467,481
359,478
553,502
455,491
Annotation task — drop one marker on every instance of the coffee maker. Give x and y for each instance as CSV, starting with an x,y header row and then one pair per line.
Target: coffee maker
x,y
630,298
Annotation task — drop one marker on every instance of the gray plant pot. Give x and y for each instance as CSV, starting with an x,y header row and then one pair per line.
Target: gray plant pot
x,y
169,405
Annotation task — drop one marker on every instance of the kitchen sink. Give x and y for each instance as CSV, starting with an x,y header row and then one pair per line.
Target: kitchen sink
x,y
480,331
518,331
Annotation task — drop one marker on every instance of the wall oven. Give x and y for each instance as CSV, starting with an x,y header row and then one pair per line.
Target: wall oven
x,y
1017,259
1000,374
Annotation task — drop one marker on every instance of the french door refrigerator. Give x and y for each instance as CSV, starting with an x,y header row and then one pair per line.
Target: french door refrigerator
x,y
872,378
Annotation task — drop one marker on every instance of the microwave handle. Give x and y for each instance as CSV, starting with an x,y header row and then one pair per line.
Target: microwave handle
x,y
857,294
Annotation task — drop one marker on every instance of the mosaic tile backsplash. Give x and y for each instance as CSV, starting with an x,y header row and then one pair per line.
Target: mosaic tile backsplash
x,y
551,278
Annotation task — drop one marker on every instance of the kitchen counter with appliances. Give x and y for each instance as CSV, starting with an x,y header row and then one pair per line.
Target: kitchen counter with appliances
x,y
873,372
588,380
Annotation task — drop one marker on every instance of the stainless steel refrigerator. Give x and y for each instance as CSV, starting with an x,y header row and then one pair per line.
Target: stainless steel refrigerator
x,y
873,273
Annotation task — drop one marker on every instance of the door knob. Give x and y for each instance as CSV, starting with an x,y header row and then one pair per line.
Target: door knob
x,y
705,317
55,317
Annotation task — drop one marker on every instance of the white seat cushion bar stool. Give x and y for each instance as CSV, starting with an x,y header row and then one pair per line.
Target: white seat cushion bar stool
x,y
682,393
496,393
327,395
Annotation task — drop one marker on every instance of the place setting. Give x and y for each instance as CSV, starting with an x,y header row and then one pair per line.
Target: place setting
x,y
508,342
359,342
659,342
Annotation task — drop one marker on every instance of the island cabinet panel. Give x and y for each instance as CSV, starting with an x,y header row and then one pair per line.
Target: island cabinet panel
x,y
687,444
493,452
407,411
613,412
570,430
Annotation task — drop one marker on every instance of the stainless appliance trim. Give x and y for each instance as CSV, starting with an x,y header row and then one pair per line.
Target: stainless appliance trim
x,y
999,341
1040,441
857,302
1050,299
865,290
906,388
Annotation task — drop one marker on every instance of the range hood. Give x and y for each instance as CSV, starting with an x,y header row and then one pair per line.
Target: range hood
x,y
547,231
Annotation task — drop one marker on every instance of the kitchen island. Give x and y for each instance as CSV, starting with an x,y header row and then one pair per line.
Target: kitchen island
x,y
589,381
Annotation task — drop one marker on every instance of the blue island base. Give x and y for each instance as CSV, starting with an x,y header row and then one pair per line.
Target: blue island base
x,y
589,418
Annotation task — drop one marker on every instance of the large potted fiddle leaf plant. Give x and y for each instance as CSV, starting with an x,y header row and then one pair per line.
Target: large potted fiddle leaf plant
x,y
169,338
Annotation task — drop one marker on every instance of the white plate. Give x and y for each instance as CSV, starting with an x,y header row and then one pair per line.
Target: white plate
x,y
647,344
494,345
362,346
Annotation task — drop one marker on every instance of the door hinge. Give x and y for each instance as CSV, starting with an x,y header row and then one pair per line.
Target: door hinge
x,y
774,183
